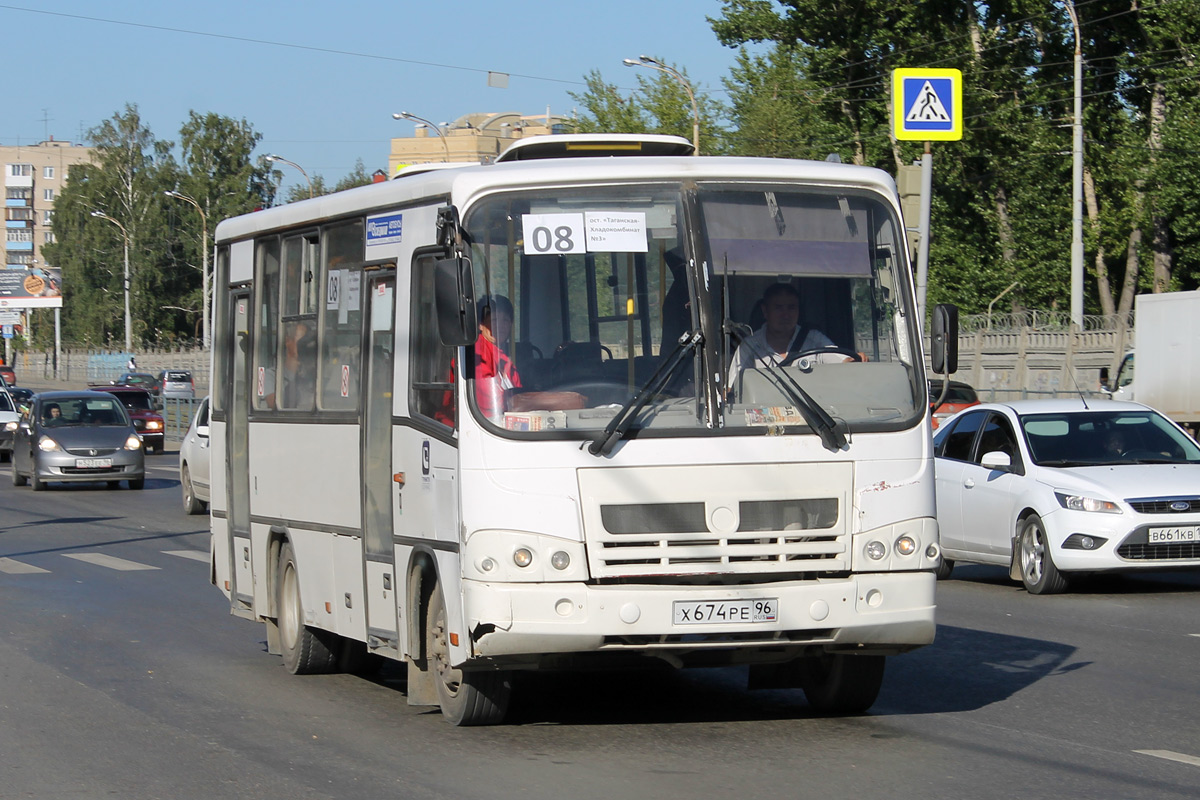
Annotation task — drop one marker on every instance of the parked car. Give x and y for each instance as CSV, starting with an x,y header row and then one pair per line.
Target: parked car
x,y
177,384
8,413
146,419
193,462
1057,488
139,380
959,396
76,436
8,375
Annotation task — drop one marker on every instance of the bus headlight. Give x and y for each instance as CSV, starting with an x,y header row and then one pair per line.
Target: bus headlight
x,y
876,550
501,556
906,546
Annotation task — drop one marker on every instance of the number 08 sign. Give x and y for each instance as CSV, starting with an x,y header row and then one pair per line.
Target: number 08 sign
x,y
589,232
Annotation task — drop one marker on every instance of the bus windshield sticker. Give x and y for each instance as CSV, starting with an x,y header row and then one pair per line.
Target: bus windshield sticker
x,y
616,232
384,229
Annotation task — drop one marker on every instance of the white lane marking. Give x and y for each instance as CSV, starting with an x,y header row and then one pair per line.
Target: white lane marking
x,y
13,567
1170,756
112,562
195,555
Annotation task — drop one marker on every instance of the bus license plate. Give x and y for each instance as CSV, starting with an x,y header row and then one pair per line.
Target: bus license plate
x,y
1174,535
707,612
92,463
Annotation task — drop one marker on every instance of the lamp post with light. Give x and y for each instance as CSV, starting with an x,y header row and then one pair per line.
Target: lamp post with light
x,y
125,238
652,63
204,337
427,123
272,157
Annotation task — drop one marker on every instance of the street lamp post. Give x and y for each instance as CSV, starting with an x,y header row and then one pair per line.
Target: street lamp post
x,y
651,63
125,238
204,337
273,157
427,123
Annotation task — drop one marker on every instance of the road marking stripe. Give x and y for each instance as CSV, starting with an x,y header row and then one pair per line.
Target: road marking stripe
x,y
1170,756
112,562
195,555
13,567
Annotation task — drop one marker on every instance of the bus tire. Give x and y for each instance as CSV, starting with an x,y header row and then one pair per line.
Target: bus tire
x,y
305,651
466,698
836,683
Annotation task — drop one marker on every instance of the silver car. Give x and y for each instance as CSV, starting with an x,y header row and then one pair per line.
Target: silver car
x,y
193,462
176,384
76,437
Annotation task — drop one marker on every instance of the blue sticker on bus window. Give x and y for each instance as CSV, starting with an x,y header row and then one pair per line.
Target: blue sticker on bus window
x,y
384,229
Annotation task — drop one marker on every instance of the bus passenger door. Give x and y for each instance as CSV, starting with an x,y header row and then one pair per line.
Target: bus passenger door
x,y
237,446
379,487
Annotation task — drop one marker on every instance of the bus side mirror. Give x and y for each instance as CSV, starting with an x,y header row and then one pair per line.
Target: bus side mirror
x,y
944,339
454,296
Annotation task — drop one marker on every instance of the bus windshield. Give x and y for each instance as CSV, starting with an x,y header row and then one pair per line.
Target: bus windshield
x,y
690,308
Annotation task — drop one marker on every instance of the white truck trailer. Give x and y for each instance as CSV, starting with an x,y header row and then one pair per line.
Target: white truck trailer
x,y
1167,348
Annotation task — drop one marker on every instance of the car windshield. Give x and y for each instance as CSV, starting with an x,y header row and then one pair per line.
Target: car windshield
x,y
1093,438
77,411
178,377
137,401
585,294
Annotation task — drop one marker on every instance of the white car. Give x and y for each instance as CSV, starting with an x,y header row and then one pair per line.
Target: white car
x,y
8,414
193,462
1055,488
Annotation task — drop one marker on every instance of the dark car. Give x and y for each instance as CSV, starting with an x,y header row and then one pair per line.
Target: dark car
x,y
74,437
21,395
139,380
146,419
959,396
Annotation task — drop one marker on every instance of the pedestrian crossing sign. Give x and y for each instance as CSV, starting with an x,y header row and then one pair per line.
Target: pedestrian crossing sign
x,y
927,104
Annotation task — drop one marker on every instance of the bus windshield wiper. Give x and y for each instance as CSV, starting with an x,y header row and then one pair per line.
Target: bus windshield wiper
x,y
817,417
603,444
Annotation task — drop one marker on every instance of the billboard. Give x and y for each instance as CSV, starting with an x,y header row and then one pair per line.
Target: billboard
x,y
31,288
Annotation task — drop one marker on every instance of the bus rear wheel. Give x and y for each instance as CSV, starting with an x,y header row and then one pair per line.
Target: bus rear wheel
x,y
305,650
466,698
836,683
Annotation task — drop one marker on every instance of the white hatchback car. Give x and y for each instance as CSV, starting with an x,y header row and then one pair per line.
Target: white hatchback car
x,y
193,462
1055,488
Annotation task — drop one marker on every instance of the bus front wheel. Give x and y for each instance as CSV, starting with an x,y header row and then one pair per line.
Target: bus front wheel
x,y
466,698
836,683
305,650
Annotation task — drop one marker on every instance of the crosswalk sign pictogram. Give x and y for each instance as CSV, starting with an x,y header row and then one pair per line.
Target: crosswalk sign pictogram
x,y
927,104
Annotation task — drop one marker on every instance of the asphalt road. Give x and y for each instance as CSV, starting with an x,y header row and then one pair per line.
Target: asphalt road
x,y
122,674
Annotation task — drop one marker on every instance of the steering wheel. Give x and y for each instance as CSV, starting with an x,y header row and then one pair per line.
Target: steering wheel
x,y
816,351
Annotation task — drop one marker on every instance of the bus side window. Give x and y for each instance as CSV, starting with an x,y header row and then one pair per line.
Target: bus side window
x,y
432,366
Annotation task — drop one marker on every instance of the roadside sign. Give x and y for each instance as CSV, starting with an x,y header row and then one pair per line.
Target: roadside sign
x,y
927,104
7,331
10,318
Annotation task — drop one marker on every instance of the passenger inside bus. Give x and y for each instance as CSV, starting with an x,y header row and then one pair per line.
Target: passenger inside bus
x,y
782,336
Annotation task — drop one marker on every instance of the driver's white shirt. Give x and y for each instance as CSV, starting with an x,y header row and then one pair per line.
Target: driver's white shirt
x,y
755,353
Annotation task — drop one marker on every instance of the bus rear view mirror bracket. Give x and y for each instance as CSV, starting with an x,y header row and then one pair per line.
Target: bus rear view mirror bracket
x,y
454,291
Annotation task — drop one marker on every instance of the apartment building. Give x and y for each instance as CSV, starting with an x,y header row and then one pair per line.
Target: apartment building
x,y
34,176
471,137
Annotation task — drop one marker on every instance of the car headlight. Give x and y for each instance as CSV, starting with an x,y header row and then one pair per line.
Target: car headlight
x,y
134,442
153,425
1081,502
48,445
12,426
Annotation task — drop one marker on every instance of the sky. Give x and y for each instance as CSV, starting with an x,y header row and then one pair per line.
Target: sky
x,y
320,81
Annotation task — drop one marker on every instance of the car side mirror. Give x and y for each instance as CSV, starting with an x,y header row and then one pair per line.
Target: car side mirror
x,y
996,459
202,431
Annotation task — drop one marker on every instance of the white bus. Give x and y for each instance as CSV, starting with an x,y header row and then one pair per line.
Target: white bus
x,y
597,490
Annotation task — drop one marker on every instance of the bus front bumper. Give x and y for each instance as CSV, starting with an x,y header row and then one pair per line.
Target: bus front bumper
x,y
883,613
